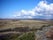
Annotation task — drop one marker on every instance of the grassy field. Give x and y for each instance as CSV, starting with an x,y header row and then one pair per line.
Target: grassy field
x,y
24,36
21,23
22,26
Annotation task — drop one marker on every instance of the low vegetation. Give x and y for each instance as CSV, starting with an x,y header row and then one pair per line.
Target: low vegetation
x,y
24,36
27,36
27,28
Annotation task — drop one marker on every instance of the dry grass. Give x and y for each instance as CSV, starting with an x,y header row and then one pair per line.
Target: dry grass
x,y
21,23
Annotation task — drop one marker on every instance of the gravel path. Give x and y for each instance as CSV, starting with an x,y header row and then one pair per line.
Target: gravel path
x,y
40,34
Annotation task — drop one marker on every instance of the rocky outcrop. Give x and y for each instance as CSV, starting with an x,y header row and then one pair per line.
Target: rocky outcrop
x,y
45,34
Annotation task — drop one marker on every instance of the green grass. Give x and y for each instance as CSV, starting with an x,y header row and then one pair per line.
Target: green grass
x,y
24,36
27,36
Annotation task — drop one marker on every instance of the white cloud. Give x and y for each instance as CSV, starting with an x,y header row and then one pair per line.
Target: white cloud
x,y
42,9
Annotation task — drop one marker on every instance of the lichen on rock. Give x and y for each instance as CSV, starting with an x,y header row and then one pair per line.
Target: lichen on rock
x,y
45,34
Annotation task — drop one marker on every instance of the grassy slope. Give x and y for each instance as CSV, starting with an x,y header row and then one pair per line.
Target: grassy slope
x,y
21,23
27,36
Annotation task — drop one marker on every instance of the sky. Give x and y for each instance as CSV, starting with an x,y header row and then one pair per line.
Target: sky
x,y
26,9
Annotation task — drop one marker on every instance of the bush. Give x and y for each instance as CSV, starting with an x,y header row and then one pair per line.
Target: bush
x,y
27,36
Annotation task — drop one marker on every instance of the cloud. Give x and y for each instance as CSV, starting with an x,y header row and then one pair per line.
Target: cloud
x,y
43,9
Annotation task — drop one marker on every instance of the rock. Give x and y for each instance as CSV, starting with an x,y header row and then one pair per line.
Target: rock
x,y
45,34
